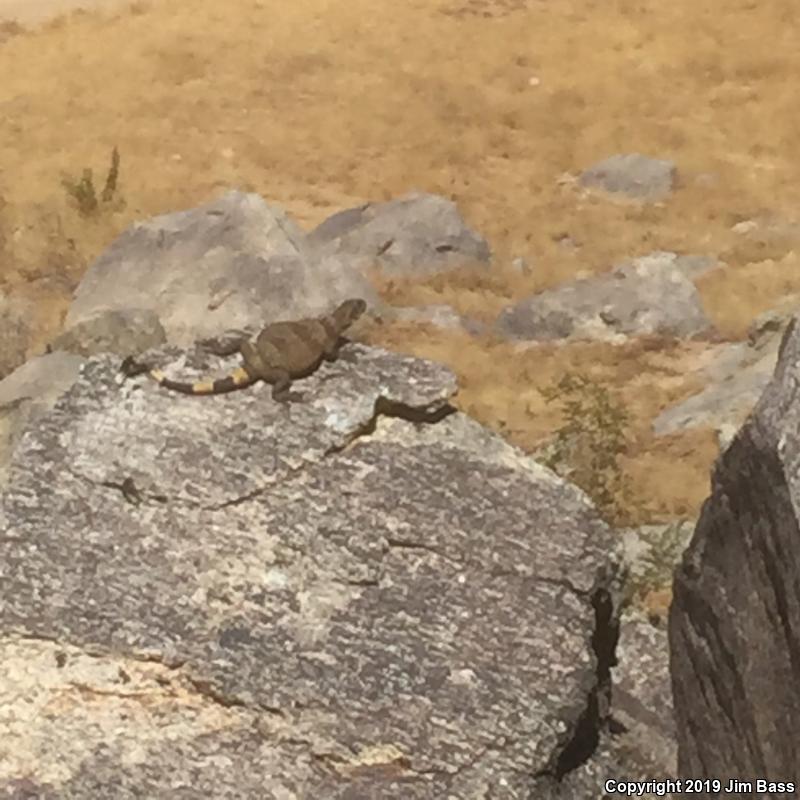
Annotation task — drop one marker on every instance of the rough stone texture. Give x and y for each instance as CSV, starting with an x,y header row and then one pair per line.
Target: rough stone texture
x,y
123,332
642,703
733,623
360,595
232,263
736,375
771,324
28,392
642,745
633,176
649,295
415,234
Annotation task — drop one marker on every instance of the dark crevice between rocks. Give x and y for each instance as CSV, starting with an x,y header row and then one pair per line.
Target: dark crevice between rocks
x,y
128,490
203,686
384,407
135,496
237,501
364,583
131,492
404,544
170,660
547,580
586,733
207,689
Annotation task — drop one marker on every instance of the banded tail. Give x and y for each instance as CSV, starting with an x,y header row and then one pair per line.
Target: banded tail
x,y
238,379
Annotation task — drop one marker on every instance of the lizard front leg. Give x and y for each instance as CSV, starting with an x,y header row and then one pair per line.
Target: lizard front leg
x,y
344,354
281,383
334,352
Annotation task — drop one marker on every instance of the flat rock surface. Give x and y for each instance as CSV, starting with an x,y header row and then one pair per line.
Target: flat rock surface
x,y
358,595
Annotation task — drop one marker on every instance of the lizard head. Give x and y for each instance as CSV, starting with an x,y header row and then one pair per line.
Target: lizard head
x,y
349,311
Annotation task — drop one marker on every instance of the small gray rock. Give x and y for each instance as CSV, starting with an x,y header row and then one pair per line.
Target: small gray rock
x,y
231,263
634,176
736,377
415,234
122,331
649,295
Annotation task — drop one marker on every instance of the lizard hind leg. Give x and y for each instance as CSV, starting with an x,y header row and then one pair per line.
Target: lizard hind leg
x,y
252,361
255,366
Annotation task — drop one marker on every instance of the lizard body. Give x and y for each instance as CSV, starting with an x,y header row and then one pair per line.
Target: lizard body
x,y
281,352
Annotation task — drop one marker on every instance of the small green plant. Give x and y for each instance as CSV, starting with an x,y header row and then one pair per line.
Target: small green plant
x,y
588,446
664,546
83,192
112,177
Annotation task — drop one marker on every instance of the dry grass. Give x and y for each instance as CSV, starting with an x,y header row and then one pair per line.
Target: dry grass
x,y
735,295
500,384
319,105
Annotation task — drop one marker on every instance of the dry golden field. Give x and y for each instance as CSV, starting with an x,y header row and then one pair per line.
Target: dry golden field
x,y
319,105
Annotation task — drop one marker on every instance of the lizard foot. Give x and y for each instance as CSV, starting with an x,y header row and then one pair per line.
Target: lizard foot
x,y
347,355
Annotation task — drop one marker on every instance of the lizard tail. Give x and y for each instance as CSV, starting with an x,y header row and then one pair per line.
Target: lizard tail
x,y
238,379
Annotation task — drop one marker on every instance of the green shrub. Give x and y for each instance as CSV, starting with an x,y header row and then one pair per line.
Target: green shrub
x,y
83,192
653,570
587,448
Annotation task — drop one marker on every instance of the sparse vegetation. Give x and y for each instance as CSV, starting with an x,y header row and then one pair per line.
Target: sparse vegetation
x,y
588,446
112,177
655,568
488,112
83,192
